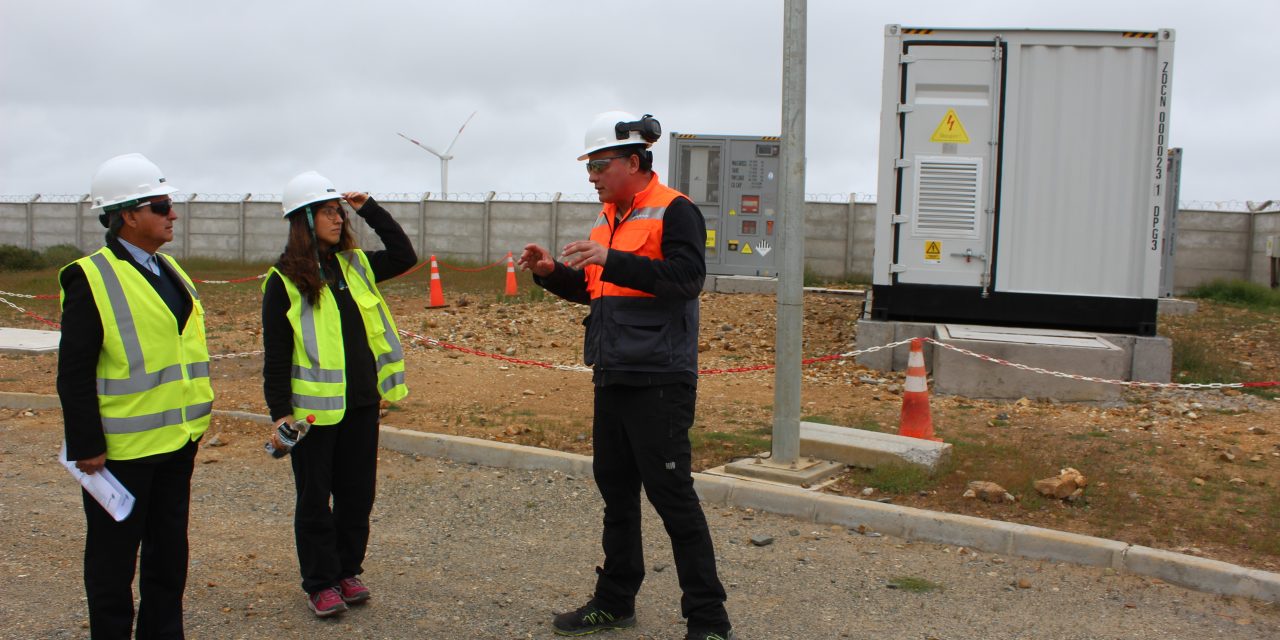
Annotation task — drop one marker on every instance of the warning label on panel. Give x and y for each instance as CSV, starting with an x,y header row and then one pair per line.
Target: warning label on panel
x,y
711,238
746,248
950,130
933,251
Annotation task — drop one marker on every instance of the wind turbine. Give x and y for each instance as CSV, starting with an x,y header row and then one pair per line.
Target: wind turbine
x,y
444,157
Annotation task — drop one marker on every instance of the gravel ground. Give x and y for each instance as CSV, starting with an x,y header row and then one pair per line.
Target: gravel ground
x,y
464,551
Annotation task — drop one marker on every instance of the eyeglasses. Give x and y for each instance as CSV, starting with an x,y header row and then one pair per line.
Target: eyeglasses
x,y
332,211
600,164
159,208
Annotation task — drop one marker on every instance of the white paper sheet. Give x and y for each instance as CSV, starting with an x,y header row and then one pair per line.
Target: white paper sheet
x,y
103,486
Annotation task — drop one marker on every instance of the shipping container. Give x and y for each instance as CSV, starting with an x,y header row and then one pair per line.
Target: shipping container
x,y
1023,177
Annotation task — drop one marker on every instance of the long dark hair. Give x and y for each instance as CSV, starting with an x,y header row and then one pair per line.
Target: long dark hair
x,y
298,261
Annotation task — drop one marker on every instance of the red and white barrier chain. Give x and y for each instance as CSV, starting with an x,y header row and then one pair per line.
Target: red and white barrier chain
x,y
28,313
1083,378
235,281
760,367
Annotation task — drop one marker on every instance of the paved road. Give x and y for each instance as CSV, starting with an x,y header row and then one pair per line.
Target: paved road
x,y
463,551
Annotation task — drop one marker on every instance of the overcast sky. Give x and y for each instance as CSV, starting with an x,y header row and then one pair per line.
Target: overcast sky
x,y
239,95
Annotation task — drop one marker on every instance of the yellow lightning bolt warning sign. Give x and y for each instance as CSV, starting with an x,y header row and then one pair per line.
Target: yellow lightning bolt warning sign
x,y
950,130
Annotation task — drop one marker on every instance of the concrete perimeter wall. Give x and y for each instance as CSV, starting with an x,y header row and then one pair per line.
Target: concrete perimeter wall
x,y
839,236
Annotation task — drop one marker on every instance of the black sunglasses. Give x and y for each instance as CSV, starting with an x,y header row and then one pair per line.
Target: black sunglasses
x,y
159,208
600,164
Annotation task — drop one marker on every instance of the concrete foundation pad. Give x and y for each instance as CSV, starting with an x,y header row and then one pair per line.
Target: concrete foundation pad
x,y
805,472
873,333
28,340
1176,307
1055,350
870,449
740,284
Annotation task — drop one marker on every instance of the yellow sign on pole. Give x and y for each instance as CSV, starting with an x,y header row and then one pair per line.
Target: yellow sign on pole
x,y
932,251
950,130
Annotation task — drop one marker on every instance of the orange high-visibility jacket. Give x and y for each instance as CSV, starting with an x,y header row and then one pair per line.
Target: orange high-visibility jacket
x,y
630,330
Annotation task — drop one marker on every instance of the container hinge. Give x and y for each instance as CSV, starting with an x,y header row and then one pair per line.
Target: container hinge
x,y
897,268
906,59
898,218
901,163
906,108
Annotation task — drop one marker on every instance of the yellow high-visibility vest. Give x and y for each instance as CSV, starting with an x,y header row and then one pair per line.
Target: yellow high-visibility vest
x,y
318,376
153,385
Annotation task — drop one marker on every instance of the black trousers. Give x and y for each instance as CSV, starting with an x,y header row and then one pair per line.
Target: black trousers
x,y
338,461
642,439
157,524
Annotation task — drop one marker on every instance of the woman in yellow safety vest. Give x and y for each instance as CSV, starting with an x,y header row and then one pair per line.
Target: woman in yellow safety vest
x,y
332,352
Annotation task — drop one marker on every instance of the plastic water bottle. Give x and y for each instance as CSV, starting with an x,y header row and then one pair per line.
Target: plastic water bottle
x,y
289,436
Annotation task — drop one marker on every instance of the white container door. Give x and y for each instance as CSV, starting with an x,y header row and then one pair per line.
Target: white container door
x,y
946,166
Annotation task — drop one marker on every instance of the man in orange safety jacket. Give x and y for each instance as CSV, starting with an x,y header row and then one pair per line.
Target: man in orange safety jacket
x,y
641,271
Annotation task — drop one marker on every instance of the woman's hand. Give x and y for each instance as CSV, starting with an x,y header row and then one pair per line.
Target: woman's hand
x,y
356,199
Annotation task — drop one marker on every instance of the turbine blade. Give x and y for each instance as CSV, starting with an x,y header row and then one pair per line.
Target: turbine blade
x,y
419,144
464,126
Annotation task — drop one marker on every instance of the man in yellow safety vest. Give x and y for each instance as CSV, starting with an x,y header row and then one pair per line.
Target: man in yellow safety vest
x,y
133,378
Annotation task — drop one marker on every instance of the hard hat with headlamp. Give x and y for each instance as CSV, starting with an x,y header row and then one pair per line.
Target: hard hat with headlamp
x,y
619,128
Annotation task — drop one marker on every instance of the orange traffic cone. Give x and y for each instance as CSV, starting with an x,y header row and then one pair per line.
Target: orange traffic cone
x,y
511,276
915,421
437,293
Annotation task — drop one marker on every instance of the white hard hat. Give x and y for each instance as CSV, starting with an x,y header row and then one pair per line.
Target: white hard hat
x,y
307,188
126,178
618,128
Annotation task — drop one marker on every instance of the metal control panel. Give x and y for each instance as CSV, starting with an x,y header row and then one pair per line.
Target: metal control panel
x,y
734,180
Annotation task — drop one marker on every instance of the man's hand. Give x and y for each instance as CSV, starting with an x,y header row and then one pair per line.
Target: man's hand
x,y
584,252
92,465
356,199
536,259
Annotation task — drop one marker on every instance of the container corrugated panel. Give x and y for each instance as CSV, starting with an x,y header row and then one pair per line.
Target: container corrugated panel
x,y
1078,133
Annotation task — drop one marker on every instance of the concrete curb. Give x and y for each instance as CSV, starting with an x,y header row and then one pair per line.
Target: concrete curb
x,y
1201,574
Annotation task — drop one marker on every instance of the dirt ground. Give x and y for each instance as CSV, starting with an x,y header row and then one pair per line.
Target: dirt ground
x,y
1157,462
467,551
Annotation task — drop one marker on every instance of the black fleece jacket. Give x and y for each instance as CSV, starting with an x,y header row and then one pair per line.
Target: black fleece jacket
x,y
679,275
277,333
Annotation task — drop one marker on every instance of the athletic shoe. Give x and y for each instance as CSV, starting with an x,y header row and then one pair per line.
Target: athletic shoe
x,y
326,602
590,619
352,590
709,635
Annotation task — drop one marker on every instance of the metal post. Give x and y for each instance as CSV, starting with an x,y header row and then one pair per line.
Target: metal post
x,y
851,229
1250,234
555,221
242,226
31,222
786,405
422,225
80,222
186,228
485,226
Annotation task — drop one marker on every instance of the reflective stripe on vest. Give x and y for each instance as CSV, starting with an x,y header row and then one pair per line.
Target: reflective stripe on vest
x,y
319,382
147,412
388,361
638,232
